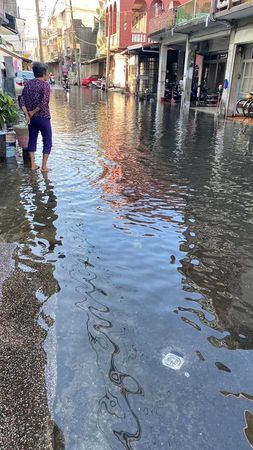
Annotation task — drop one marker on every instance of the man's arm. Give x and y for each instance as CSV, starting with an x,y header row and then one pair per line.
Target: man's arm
x,y
24,108
35,111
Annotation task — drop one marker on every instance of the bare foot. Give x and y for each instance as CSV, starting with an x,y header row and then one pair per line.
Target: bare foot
x,y
35,167
45,169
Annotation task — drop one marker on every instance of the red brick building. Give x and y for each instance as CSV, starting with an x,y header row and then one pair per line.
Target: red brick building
x,y
127,21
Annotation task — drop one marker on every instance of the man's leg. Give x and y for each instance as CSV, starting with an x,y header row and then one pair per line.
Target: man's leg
x,y
44,162
46,131
32,145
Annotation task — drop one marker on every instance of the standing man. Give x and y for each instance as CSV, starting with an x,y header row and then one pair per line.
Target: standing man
x,y
35,105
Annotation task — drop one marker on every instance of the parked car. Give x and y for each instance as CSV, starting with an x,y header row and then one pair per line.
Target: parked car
x,y
87,82
22,76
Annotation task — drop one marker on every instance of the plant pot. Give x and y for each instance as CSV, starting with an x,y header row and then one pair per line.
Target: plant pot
x,y
11,144
22,133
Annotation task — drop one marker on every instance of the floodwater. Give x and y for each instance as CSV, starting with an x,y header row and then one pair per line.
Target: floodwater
x,y
126,314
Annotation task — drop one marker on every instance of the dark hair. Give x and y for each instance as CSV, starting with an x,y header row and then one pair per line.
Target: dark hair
x,y
39,69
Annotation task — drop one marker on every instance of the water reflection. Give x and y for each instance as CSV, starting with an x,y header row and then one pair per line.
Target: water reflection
x,y
166,180
171,173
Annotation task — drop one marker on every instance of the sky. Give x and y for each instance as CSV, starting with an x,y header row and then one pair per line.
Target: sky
x,y
27,11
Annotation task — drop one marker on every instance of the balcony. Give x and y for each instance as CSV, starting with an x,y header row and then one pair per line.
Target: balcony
x,y
114,44
138,38
194,10
165,20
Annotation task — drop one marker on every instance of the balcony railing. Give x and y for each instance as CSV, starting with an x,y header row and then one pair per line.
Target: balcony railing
x,y
164,21
193,10
139,38
114,41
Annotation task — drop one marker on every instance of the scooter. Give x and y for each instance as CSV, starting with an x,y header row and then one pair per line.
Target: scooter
x,y
66,84
199,94
173,92
52,80
101,84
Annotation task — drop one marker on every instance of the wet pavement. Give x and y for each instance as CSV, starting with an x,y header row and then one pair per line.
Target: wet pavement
x,y
126,314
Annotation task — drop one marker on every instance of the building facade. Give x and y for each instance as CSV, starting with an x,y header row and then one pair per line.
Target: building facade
x,y
71,43
212,46
11,45
132,56
134,61
239,67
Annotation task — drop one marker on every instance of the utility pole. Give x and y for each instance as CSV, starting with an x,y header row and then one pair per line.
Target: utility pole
x,y
37,5
77,76
108,53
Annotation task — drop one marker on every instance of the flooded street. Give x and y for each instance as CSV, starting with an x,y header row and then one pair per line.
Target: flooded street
x,y
126,275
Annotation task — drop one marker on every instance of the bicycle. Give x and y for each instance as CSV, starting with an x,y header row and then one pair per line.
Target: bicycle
x,y
244,104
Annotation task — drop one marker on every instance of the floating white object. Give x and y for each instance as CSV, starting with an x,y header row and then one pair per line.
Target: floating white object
x,y
173,361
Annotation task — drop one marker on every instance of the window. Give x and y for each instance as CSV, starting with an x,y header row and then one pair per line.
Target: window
x,y
139,22
247,77
156,8
139,16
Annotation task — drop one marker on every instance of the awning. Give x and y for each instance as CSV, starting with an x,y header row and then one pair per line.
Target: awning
x,y
139,47
100,58
13,54
5,30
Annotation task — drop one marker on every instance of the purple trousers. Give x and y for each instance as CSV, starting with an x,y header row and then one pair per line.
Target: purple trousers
x,y
42,125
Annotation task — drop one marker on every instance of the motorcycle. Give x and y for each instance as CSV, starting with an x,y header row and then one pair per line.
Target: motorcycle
x,y
52,80
199,94
173,92
66,84
101,84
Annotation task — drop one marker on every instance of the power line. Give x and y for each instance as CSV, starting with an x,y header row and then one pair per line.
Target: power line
x,y
37,6
86,42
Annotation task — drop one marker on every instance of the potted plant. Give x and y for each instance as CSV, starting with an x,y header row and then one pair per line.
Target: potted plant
x,y
8,116
8,111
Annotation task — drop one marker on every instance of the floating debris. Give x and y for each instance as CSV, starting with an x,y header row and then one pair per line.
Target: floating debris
x,y
173,361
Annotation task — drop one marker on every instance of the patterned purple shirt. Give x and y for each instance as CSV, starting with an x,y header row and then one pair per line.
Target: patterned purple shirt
x,y
36,93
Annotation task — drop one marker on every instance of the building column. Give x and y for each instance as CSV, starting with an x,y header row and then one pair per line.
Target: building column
x,y
233,71
200,77
188,74
162,71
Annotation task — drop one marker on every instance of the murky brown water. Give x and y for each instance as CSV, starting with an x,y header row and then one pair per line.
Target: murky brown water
x,y
137,244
